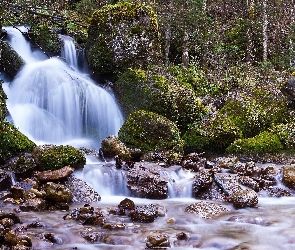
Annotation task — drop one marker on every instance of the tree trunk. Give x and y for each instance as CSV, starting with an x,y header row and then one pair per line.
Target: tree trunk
x,y
251,15
264,30
168,33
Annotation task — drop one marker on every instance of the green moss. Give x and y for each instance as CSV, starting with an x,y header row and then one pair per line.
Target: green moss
x,y
3,107
286,133
158,92
265,142
150,132
9,59
46,38
122,35
51,157
214,134
13,142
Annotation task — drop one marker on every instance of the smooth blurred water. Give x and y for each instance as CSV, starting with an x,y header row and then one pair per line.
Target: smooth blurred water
x,y
50,102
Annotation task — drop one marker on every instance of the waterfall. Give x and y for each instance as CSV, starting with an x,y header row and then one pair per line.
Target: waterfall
x,y
50,102
69,51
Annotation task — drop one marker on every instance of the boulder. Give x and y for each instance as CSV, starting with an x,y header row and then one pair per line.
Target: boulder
x,y
146,213
35,204
81,191
202,180
112,146
3,107
55,175
121,36
289,89
145,181
157,240
244,198
10,60
206,210
151,132
13,142
159,92
5,180
57,192
288,177
52,157
23,166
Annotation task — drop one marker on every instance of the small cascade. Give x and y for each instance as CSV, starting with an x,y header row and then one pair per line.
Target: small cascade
x,y
179,182
104,179
69,51
52,103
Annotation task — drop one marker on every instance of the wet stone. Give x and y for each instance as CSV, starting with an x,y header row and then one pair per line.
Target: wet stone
x,y
147,213
244,198
5,181
206,210
203,180
114,226
157,240
55,175
57,192
36,204
288,177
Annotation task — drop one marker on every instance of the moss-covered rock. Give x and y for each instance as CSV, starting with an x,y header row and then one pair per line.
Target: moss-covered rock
x,y
215,134
256,111
263,143
51,157
160,93
151,132
46,38
13,142
286,134
122,35
3,107
9,59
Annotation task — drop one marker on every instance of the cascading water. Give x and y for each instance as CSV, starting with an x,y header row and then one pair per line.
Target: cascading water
x,y
51,103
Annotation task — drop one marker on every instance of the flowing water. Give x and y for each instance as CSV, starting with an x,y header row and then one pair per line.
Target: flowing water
x,y
53,101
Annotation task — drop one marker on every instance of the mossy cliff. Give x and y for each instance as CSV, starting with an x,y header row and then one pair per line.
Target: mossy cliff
x,y
3,107
120,36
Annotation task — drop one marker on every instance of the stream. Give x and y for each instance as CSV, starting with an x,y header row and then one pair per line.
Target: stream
x,y
55,101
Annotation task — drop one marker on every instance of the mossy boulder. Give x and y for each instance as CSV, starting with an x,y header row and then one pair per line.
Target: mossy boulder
x,y
3,107
151,132
10,61
215,133
256,111
13,142
52,157
122,35
263,143
160,93
46,38
286,133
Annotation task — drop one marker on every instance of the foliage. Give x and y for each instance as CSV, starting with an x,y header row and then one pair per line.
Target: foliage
x,y
150,132
263,143
46,38
13,142
286,133
157,91
51,157
214,134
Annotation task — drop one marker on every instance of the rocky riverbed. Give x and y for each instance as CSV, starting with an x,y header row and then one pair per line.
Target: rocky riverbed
x,y
232,205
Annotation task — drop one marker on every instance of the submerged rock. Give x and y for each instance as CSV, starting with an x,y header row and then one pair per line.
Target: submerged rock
x,y
35,204
206,210
146,213
157,240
